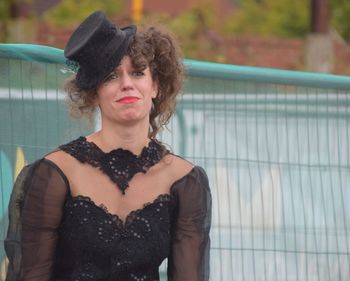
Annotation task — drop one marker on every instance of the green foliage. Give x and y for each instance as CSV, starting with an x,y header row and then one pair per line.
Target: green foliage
x,y
5,15
69,12
282,18
5,9
340,17
189,26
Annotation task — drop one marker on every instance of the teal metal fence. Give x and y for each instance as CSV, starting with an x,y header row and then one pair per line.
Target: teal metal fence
x,y
275,145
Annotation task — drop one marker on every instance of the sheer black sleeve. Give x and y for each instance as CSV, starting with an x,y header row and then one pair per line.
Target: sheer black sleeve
x,y
35,212
189,259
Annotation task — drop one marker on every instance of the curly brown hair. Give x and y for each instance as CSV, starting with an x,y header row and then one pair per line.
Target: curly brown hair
x,y
154,47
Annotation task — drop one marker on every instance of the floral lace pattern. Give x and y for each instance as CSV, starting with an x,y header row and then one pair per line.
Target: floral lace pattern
x,y
119,165
133,249
159,200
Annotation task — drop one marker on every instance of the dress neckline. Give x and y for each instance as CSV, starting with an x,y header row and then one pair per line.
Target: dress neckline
x,y
119,164
93,144
130,216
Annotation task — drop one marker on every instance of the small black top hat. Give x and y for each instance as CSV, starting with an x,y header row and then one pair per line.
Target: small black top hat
x,y
98,47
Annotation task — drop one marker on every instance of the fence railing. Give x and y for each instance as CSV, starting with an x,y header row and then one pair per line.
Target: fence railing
x,y
275,145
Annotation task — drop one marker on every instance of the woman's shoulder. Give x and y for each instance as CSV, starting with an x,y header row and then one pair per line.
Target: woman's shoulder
x,y
40,176
176,167
184,172
65,155
191,190
44,163
59,157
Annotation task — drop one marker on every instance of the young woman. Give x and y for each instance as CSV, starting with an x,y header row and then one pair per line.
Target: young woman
x,y
113,205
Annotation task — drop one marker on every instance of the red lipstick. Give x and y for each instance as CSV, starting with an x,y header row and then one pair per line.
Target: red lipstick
x,y
128,99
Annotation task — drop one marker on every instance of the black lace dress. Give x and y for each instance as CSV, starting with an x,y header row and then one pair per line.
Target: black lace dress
x,y
55,236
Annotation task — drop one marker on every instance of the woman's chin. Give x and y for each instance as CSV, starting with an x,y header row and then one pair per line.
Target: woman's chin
x,y
131,117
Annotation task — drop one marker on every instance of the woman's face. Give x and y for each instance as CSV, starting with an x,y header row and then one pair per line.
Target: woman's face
x,y
126,95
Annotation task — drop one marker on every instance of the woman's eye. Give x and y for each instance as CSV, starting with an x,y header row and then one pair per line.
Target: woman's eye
x,y
138,73
111,77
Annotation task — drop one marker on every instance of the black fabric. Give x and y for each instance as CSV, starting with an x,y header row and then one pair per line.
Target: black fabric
x,y
35,212
55,236
119,165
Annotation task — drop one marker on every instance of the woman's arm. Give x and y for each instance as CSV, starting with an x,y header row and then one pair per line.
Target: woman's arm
x,y
35,212
189,259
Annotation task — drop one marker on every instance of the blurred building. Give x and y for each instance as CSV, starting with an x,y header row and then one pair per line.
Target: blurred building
x,y
281,53
36,7
23,8
222,7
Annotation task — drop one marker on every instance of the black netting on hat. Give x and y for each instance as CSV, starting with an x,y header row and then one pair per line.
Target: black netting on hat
x,y
90,78
72,65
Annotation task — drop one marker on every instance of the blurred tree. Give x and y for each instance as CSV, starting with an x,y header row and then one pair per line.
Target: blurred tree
x,y
340,17
236,2
70,12
283,18
6,13
4,16
191,27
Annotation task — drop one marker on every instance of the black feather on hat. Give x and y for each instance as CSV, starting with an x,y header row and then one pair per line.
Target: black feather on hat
x,y
97,46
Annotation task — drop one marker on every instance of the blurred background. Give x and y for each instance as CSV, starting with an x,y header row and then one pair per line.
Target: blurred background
x,y
310,35
275,144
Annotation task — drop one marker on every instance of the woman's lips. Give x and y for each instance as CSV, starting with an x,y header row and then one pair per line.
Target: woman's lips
x,y
128,100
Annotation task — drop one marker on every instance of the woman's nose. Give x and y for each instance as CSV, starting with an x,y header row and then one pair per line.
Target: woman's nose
x,y
126,82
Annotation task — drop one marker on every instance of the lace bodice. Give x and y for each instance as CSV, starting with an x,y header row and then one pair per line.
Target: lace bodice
x,y
133,249
55,236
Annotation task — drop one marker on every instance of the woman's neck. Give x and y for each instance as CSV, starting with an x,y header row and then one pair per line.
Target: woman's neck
x,y
133,138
